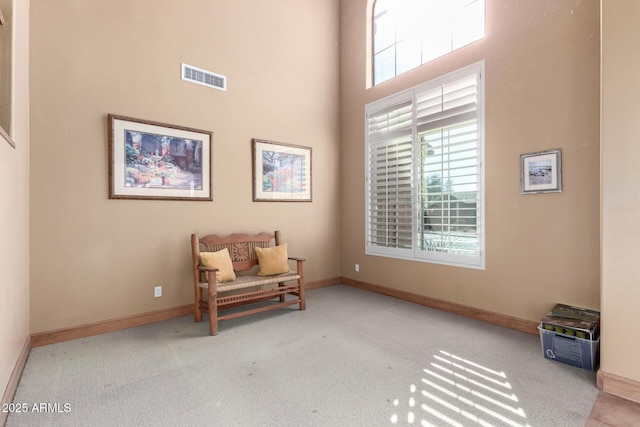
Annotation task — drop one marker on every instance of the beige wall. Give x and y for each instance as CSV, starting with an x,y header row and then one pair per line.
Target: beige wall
x,y
542,79
14,210
96,259
620,347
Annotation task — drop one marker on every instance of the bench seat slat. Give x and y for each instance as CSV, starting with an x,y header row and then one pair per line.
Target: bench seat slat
x,y
251,280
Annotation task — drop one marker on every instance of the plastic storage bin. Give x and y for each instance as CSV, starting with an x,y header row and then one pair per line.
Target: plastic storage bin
x,y
569,349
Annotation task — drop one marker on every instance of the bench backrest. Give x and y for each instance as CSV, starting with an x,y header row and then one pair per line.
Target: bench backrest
x,y
241,247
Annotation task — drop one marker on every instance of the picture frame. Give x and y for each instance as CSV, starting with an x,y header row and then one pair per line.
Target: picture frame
x,y
6,59
152,160
541,172
281,172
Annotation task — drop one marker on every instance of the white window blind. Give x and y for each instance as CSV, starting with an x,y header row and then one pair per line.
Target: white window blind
x,y
390,166
448,136
424,172
390,196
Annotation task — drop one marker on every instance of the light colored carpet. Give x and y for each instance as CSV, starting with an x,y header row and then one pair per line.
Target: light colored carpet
x,y
353,358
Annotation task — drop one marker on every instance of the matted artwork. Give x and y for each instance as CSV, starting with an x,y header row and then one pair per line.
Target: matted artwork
x,y
151,160
281,172
541,172
6,89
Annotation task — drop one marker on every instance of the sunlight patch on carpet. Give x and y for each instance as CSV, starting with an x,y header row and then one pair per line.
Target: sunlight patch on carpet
x,y
455,391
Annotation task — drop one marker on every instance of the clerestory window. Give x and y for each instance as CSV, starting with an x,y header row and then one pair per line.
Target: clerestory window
x,y
424,177
409,33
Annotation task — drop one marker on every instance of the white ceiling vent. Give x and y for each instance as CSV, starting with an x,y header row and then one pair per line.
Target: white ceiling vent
x,y
203,77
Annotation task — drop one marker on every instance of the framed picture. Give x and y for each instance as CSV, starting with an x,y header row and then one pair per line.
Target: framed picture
x,y
6,89
281,172
541,172
150,160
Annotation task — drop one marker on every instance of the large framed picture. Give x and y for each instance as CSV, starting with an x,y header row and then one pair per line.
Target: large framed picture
x,y
281,172
151,160
6,42
541,172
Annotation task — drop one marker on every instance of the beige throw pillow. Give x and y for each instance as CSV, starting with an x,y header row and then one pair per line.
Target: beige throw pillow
x,y
273,260
222,261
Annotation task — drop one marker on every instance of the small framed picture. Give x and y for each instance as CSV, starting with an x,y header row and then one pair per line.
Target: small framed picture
x,y
151,160
541,172
281,172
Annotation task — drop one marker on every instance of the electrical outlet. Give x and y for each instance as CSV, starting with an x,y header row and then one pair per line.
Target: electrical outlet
x,y
357,267
157,292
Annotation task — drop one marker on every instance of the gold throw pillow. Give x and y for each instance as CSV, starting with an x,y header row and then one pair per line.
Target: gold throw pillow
x,y
273,260
222,261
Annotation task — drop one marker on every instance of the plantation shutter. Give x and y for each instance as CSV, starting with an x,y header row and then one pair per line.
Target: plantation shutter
x,y
447,127
389,173
424,195
448,104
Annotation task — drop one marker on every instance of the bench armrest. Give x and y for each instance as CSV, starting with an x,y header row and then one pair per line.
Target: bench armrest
x,y
211,278
296,258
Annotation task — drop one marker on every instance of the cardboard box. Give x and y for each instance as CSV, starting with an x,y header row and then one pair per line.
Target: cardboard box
x,y
583,353
578,313
575,321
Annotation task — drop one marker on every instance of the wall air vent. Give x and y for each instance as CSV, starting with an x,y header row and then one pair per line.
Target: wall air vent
x,y
203,77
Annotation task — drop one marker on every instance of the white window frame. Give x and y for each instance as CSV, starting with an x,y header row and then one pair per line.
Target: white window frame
x,y
409,33
410,249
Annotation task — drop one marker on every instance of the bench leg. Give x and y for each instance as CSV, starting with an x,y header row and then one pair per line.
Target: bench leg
x,y
303,303
213,314
198,310
281,284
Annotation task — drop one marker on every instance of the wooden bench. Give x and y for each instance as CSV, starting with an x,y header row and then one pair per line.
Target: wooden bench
x,y
248,286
